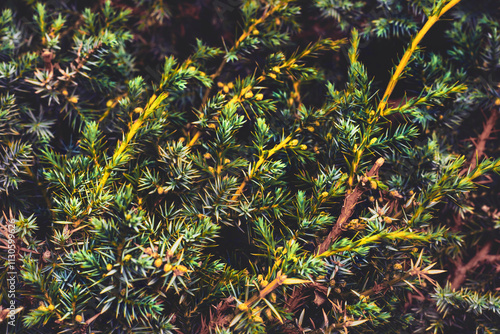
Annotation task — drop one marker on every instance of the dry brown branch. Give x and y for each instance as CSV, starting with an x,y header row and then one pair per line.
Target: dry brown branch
x,y
480,144
348,208
459,275
218,316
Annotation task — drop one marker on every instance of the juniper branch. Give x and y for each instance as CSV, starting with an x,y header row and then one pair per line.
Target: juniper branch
x,y
350,202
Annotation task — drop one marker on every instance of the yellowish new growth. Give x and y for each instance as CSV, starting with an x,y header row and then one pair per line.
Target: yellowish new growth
x,y
153,103
259,163
406,57
381,109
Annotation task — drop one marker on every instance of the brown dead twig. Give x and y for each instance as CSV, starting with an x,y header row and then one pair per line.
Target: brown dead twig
x,y
348,208
488,129
218,316
459,275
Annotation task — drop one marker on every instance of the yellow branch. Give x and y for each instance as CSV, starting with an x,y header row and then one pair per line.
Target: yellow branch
x,y
381,108
406,57
153,103
258,164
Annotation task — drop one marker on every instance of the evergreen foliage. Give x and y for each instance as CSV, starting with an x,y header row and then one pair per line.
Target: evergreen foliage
x,y
262,184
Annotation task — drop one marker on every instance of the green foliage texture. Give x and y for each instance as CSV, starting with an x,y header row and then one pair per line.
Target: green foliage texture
x,y
250,166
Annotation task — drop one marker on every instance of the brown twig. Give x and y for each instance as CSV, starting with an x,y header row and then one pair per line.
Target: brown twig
x,y
276,283
484,137
348,208
459,275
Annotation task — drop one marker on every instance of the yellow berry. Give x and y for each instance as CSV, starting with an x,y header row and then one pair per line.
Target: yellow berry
x,y
258,319
127,257
191,68
182,139
225,89
259,97
373,184
373,140
264,283
497,102
294,142
248,94
398,266
207,155
276,69
272,75
158,263
78,318
73,99
226,161
290,101
371,199
180,270
220,84
202,73
167,267
65,92
212,125
51,307
387,220
310,128
255,32
243,307
128,216
138,110
160,190
109,103
230,85
303,147
324,194
109,266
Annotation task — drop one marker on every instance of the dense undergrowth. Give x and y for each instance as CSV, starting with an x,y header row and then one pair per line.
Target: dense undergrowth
x,y
249,166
